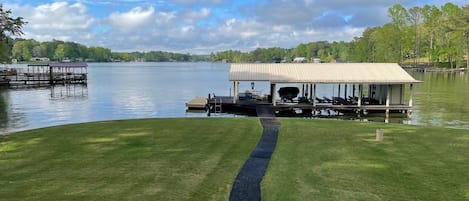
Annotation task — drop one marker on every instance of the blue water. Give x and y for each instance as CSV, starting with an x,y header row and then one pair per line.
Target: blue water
x,y
159,90
115,91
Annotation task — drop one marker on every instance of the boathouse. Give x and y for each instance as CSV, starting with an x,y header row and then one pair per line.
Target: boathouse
x,y
36,75
365,86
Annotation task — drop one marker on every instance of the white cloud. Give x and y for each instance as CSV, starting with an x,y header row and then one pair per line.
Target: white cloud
x,y
131,20
165,18
191,2
58,20
58,16
203,26
192,16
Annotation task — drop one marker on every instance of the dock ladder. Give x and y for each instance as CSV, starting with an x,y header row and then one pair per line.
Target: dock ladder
x,y
218,104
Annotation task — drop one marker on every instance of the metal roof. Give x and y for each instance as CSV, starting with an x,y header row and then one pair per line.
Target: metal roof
x,y
69,65
375,73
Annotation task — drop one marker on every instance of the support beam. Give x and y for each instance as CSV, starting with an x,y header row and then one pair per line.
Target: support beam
x,y
359,102
272,93
303,90
313,95
360,94
307,94
388,97
411,97
51,75
311,92
236,91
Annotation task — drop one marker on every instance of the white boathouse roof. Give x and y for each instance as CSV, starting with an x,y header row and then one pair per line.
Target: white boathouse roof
x,y
372,73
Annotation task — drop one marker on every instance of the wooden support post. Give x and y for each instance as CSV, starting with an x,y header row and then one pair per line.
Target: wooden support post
x,y
311,92
379,134
303,90
51,77
411,96
307,94
360,94
313,95
272,93
388,97
235,91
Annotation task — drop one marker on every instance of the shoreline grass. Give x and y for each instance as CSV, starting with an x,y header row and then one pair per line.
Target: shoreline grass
x,y
198,159
163,159
330,160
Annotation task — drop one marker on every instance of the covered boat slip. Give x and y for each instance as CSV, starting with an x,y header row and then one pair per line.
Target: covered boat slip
x,y
360,86
36,75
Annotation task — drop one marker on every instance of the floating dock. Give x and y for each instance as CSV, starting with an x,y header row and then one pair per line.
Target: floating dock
x,y
197,103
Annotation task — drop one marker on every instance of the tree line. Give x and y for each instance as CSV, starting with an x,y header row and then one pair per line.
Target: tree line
x,y
419,35
26,50
323,50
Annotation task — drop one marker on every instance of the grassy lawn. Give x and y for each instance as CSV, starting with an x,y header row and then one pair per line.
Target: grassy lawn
x,y
339,160
163,159
198,159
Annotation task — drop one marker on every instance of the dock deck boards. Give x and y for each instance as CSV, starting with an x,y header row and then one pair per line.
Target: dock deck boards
x,y
227,102
197,103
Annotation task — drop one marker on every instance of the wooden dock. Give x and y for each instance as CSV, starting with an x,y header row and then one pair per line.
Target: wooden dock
x,y
227,104
39,75
197,103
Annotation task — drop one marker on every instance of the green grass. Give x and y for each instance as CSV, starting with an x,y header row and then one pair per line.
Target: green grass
x,y
198,159
163,159
340,160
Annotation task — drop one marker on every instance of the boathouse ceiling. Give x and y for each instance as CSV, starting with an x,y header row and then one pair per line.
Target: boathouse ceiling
x,y
356,73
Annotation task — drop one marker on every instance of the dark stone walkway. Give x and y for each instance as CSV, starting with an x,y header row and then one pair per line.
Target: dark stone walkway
x,y
247,184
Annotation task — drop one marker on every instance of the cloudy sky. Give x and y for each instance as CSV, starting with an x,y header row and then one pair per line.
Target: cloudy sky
x,y
202,26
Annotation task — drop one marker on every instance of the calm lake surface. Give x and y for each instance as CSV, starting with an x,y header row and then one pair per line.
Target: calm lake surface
x,y
157,90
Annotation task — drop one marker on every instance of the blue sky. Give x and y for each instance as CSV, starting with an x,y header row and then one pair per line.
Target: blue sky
x,y
202,26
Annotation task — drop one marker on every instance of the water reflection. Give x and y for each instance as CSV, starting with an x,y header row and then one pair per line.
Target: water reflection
x,y
442,100
148,90
3,108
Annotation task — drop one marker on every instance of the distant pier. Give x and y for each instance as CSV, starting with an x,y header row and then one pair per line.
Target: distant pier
x,y
39,75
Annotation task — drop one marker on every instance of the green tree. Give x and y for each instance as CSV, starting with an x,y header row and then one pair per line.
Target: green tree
x,y
9,26
51,46
399,16
389,46
363,49
415,17
431,24
43,50
83,52
59,53
26,53
459,23
17,50
302,51
451,36
4,51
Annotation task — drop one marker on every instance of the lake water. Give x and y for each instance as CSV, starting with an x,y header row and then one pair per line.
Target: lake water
x,y
156,90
